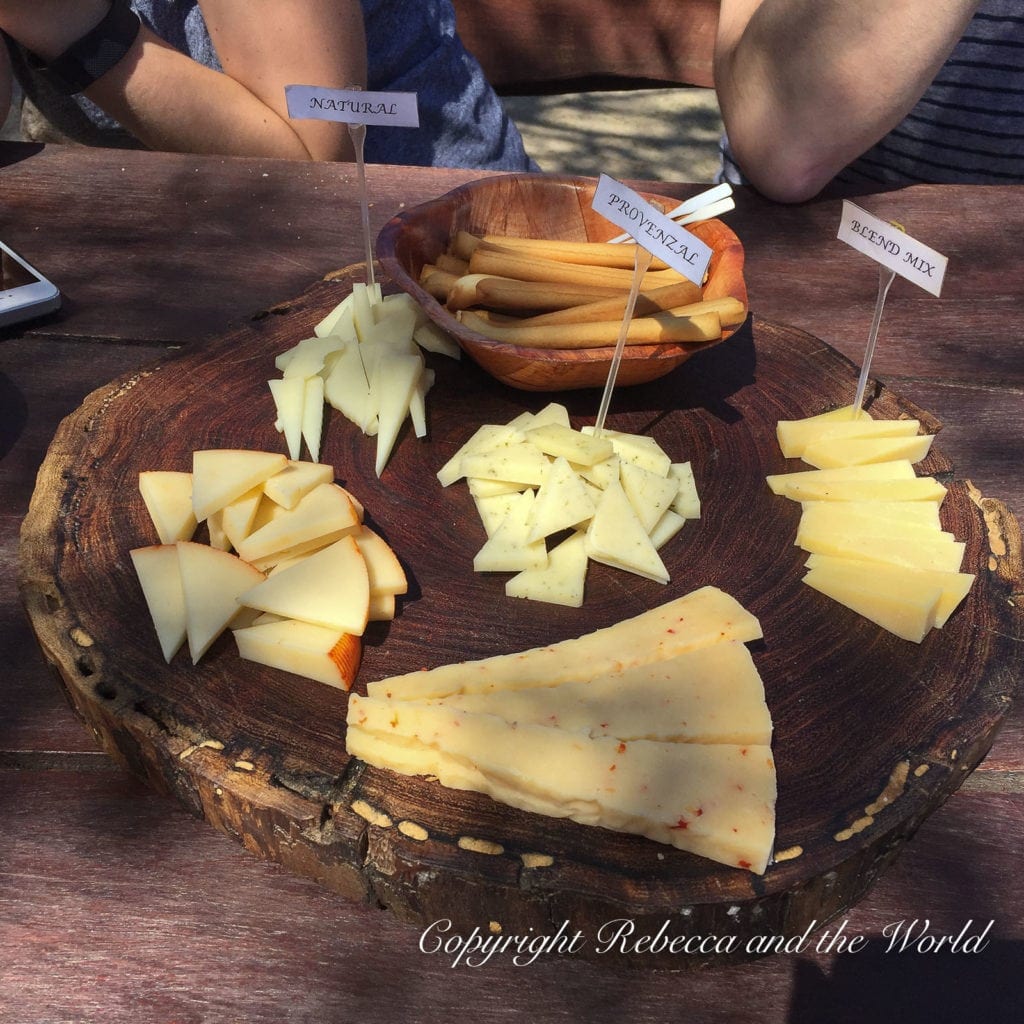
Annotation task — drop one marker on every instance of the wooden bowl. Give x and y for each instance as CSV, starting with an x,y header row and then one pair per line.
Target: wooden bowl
x,y
541,206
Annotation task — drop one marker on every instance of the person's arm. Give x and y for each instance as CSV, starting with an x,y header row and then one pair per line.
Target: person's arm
x,y
170,102
806,86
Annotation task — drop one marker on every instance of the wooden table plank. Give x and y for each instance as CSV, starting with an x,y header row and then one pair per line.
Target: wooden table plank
x,y
116,906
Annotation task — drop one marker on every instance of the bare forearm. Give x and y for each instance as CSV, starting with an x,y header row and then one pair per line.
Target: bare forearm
x,y
168,101
806,86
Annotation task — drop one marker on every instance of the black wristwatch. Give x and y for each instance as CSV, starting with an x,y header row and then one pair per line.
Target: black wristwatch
x,y
93,55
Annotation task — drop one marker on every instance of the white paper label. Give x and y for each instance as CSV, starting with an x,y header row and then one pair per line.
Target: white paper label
x,y
895,249
651,229
353,106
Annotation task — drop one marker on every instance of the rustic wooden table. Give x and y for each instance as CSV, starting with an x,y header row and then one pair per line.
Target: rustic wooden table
x,y
115,904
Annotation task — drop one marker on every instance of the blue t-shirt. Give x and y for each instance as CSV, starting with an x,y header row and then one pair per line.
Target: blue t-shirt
x,y
412,46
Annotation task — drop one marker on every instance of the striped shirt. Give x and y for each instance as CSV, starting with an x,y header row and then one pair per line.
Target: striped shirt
x,y
968,126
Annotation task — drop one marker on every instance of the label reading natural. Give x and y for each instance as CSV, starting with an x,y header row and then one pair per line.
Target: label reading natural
x,y
353,106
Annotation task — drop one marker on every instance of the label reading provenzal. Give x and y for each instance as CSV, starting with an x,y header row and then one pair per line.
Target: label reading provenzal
x,y
353,106
651,229
894,249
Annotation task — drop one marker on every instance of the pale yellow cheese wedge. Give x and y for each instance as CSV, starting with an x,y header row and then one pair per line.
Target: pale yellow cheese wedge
x,y
383,568
666,528
711,695
509,548
221,475
832,516
909,610
395,380
167,496
638,449
556,440
492,509
617,537
650,494
289,394
702,617
934,551
487,436
687,500
896,469
313,415
315,652
923,513
561,581
919,489
160,578
795,436
295,481
715,800
237,517
519,462
955,586
212,581
217,534
347,389
827,454
330,588
327,509
561,502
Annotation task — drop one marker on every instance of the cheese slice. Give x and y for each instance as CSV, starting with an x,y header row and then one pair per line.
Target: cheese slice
x,y
924,513
650,494
519,462
829,453
920,490
932,551
702,617
637,449
908,611
385,572
327,509
487,436
561,581
954,586
160,578
616,536
222,474
212,581
715,800
833,518
167,496
895,469
711,695
314,652
288,487
509,548
562,502
796,435
330,588
558,440
687,500
237,517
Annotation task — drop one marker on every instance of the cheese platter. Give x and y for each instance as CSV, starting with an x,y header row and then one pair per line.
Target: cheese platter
x,y
870,732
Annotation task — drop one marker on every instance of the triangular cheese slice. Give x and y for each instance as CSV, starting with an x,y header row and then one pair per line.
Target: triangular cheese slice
x,y
716,800
221,475
509,548
650,494
325,510
212,581
237,517
562,502
315,652
617,537
330,588
160,578
826,454
702,617
168,498
382,565
561,581
295,481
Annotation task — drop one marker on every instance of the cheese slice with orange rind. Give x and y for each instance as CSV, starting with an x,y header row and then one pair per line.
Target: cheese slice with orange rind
x,y
314,652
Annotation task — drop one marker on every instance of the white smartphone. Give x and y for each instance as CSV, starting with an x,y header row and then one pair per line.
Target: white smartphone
x,y
24,292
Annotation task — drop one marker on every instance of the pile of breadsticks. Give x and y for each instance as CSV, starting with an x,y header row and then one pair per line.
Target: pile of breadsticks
x,y
541,293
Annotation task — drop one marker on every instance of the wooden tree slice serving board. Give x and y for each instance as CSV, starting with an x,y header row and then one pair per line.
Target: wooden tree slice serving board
x,y
872,733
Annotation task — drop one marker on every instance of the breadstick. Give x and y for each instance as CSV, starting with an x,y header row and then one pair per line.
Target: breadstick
x,y
593,254
462,244
648,330
512,296
486,260
654,301
452,264
436,282
730,310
